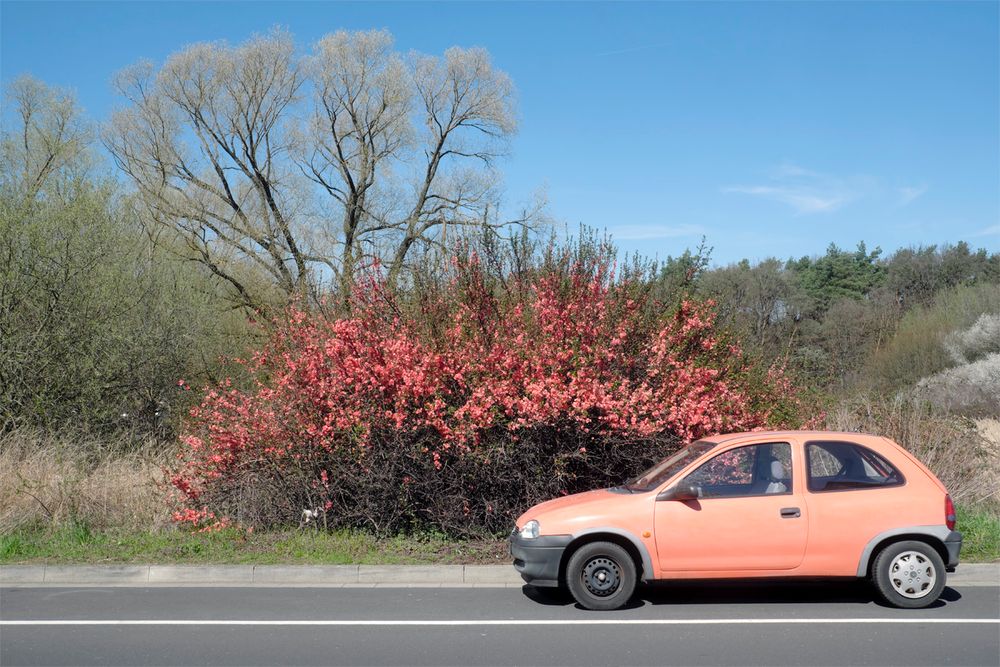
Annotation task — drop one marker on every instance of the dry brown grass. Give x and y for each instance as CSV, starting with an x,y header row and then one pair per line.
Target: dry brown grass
x,y
990,430
964,454
49,479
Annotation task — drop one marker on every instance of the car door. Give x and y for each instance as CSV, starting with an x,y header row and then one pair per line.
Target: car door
x,y
749,515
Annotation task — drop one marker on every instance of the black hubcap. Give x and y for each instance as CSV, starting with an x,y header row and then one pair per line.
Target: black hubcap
x,y
601,576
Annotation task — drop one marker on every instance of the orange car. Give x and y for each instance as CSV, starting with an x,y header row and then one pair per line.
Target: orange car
x,y
763,504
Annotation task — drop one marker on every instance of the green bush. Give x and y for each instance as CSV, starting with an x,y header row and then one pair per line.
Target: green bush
x,y
918,349
97,324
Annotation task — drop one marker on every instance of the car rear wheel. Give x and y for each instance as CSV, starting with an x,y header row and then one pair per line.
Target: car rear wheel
x,y
601,576
909,574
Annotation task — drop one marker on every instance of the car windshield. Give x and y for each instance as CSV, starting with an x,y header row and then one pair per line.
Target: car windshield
x,y
669,466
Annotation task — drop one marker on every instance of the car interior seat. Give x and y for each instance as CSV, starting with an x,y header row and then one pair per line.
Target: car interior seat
x,y
778,477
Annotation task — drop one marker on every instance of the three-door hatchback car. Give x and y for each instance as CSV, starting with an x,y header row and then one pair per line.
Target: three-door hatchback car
x,y
762,504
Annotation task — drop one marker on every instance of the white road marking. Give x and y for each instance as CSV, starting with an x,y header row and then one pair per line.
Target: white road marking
x,y
501,622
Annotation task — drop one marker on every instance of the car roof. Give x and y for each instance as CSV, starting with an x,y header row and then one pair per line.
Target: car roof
x,y
825,435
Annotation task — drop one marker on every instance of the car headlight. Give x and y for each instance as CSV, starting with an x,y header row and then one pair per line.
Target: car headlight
x,y
530,530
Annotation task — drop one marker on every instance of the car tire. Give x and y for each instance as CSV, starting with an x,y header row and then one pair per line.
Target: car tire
x,y
601,576
910,574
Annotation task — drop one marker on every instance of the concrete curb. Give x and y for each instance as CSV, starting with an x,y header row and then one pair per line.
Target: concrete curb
x,y
262,575
430,576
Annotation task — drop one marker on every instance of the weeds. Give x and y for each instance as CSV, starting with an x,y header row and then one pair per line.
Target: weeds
x,y
80,482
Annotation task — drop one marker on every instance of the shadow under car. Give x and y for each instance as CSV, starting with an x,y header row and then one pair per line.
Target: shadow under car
x,y
742,591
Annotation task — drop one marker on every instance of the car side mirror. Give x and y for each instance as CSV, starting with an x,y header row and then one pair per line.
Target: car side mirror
x,y
682,491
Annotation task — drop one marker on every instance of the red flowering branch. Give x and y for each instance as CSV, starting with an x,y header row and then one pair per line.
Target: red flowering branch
x,y
572,354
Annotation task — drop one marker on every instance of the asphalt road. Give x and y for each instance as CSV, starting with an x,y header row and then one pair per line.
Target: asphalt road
x,y
812,623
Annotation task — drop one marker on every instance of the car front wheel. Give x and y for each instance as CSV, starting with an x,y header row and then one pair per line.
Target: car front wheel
x,y
909,574
601,576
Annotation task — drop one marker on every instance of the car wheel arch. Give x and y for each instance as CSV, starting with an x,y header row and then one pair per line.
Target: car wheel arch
x,y
883,541
635,548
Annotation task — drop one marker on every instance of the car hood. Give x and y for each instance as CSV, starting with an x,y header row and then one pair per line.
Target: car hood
x,y
579,505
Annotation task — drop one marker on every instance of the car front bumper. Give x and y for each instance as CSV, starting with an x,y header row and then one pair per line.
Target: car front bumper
x,y
538,559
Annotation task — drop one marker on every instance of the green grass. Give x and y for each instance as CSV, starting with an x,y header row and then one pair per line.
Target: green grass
x,y
980,535
76,543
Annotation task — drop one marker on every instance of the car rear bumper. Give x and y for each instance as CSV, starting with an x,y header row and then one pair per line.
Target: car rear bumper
x,y
953,545
538,560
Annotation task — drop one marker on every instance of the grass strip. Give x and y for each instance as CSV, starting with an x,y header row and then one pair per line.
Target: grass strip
x,y
980,535
76,542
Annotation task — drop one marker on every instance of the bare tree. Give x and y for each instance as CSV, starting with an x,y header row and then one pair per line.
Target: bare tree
x,y
203,139
466,108
293,170
359,123
48,137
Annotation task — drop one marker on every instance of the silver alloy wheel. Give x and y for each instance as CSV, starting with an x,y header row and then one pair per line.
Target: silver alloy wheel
x,y
912,574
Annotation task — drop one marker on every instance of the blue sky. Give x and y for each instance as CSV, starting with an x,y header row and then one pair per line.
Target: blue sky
x,y
771,128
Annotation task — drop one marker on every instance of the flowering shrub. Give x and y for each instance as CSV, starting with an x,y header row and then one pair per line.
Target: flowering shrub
x,y
462,407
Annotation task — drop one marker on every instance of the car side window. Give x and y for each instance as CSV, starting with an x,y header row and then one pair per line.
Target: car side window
x,y
842,466
754,470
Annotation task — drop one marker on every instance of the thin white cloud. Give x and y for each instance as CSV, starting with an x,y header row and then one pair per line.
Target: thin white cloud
x,y
802,199
803,190
654,231
791,170
811,192
989,231
907,194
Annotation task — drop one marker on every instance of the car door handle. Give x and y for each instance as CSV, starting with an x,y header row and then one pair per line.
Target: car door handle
x,y
790,513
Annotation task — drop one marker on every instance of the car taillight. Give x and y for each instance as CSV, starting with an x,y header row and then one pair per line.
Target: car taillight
x,y
949,513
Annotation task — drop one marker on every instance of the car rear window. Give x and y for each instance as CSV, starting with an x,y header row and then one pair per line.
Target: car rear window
x,y
842,466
